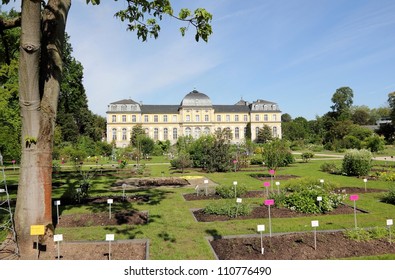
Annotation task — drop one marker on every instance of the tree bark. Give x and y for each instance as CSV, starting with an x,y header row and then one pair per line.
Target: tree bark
x,y
40,69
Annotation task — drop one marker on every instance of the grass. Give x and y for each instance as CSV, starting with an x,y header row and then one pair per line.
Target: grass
x,y
172,230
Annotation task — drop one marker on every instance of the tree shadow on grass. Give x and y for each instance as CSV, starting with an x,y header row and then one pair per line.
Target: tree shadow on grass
x,y
214,234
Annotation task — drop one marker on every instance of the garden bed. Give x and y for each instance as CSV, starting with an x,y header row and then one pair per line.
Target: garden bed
x,y
298,246
262,212
103,219
194,196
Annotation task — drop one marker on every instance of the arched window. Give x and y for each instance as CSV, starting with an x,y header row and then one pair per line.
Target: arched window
x,y
165,133
197,132
123,108
237,133
275,133
187,131
113,107
124,135
175,135
207,130
156,133
114,134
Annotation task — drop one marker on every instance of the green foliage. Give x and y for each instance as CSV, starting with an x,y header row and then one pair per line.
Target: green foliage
x,y
142,17
256,160
302,196
182,161
362,235
329,167
229,191
264,134
357,162
389,197
307,156
375,143
276,154
230,209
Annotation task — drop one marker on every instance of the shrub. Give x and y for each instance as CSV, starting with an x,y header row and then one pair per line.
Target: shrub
x,y
229,191
389,197
302,196
229,209
256,161
307,156
357,162
329,167
361,234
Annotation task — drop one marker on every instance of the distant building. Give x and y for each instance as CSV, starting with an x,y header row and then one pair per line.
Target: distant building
x,y
195,116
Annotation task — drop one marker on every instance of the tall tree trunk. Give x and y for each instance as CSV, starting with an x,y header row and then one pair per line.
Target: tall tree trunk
x,y
40,69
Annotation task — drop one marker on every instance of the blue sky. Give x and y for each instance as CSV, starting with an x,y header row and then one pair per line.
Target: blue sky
x,y
295,53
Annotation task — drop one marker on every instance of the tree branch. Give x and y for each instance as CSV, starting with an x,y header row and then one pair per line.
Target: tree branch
x,y
9,23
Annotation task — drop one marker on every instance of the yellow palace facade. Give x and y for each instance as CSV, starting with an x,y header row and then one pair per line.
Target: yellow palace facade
x,y
195,116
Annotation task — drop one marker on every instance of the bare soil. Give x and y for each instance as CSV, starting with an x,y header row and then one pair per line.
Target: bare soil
x,y
298,246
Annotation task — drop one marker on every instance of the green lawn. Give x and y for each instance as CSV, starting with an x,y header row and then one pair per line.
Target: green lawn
x,y
172,230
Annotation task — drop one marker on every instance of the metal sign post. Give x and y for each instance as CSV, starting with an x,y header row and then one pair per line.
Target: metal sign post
x,y
261,229
109,238
238,202
37,230
354,197
365,181
123,191
322,182
315,224
266,185
269,202
235,187
57,238
319,199
109,201
57,203
278,187
390,222
206,186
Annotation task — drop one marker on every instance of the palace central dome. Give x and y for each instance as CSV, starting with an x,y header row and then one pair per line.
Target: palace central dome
x,y
195,98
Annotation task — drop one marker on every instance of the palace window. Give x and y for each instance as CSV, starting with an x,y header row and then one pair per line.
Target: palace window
x,y
174,118
165,133
114,134
257,118
228,118
113,107
145,118
187,118
164,118
133,118
206,118
274,117
237,133
218,118
175,136
124,136
123,108
156,134
275,133
207,130
123,118
155,118
245,118
187,131
265,118
197,118
256,132
197,132
236,118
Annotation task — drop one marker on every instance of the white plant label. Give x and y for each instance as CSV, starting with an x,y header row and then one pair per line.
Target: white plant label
x,y
261,228
390,222
239,200
109,237
58,237
314,223
110,201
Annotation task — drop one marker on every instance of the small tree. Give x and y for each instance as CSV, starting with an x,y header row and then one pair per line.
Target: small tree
x,y
264,134
276,154
357,162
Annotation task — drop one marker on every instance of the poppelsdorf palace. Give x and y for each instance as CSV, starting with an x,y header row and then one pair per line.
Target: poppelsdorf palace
x,y
195,116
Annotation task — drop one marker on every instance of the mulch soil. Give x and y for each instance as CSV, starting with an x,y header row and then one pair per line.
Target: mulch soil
x,y
298,246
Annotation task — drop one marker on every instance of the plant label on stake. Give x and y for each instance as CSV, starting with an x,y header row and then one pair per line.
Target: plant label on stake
x,y
260,229
109,201
365,181
57,203
109,238
269,202
322,182
235,186
57,238
278,187
319,199
390,222
123,191
315,224
355,197
37,230
238,201
206,186
266,185
271,172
